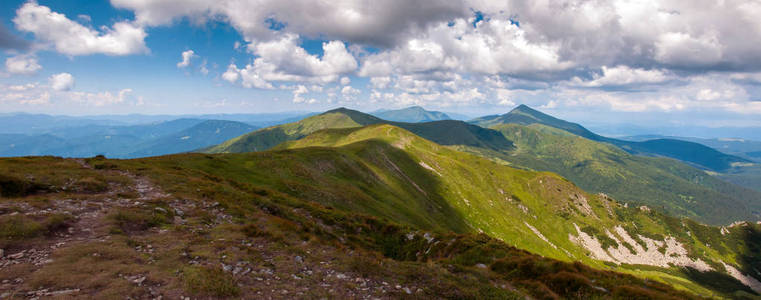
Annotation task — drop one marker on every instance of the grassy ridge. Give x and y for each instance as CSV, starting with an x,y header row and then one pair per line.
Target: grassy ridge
x,y
500,200
380,188
689,152
657,182
445,132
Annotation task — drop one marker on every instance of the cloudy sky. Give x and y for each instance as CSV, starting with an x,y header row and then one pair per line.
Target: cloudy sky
x,y
603,61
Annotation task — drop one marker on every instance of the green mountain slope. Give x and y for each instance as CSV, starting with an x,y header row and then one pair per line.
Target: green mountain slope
x,y
657,182
275,224
538,212
690,152
413,114
448,132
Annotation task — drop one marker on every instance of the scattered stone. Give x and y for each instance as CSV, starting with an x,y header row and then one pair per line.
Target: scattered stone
x,y
481,266
407,290
17,255
161,210
298,259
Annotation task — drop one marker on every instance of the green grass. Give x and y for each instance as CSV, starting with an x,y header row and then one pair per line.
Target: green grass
x,y
383,190
659,183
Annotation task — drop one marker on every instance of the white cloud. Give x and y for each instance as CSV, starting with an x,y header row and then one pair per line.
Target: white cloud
x,y
297,95
71,38
22,64
382,23
284,60
232,74
623,75
61,82
101,98
345,80
186,57
349,91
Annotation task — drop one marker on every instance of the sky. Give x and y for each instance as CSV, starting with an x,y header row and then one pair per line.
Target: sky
x,y
652,62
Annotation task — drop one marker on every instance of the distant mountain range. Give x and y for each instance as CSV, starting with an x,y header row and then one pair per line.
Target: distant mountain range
x,y
413,114
693,153
736,146
598,166
168,137
523,206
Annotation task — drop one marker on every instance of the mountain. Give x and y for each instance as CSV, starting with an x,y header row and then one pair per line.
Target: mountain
x,y
413,114
601,167
689,152
173,136
735,146
210,132
447,132
363,209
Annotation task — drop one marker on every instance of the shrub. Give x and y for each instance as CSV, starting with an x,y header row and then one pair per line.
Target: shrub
x,y
18,227
136,219
15,187
210,281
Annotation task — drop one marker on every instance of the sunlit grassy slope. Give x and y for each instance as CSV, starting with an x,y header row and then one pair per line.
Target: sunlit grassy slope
x,y
600,167
380,188
506,203
445,132
689,152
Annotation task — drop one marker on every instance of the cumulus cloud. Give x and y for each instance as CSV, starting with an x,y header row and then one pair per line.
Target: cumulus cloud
x,y
383,23
622,76
186,57
297,95
284,60
62,82
22,64
71,38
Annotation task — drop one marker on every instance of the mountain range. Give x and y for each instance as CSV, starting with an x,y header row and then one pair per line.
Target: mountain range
x,y
344,203
413,114
181,135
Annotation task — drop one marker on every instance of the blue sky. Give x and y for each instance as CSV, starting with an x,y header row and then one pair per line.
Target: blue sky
x,y
622,61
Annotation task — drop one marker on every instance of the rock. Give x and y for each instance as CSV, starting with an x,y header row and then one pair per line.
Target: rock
x,y
17,255
139,280
179,212
407,290
298,259
481,266
161,210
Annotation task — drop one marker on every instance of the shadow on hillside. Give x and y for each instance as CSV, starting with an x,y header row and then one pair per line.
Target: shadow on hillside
x,y
751,259
718,281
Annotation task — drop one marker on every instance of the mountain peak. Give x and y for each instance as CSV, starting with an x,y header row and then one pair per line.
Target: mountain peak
x,y
412,114
527,110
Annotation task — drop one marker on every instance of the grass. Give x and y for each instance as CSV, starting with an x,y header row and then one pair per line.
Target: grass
x,y
17,228
388,204
210,282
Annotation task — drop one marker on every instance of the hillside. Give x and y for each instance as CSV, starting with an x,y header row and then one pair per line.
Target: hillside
x,y
412,114
447,132
657,182
366,206
689,152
